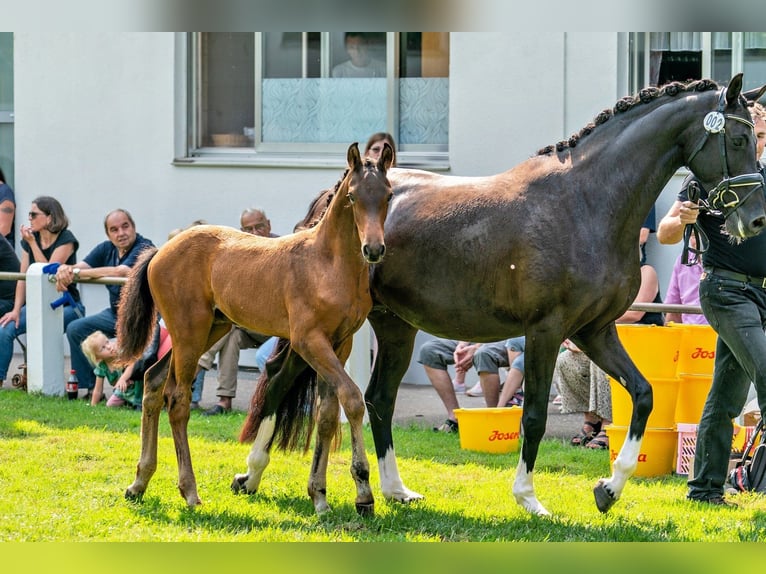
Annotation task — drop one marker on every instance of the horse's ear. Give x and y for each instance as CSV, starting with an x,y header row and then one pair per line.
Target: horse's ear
x,y
352,157
755,94
734,89
386,158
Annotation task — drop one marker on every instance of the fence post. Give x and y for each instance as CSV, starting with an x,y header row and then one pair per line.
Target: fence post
x,y
45,340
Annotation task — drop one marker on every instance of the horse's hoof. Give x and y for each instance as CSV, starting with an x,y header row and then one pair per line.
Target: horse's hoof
x,y
134,496
238,485
604,499
365,508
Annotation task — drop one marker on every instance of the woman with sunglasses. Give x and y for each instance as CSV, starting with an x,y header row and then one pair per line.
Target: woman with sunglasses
x,y
47,239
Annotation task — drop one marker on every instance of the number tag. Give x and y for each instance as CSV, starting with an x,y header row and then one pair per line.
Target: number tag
x,y
714,122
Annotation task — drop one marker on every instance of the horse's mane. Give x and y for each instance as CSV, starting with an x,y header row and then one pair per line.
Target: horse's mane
x,y
313,217
645,96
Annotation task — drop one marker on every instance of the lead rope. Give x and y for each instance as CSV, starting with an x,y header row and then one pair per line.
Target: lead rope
x,y
694,229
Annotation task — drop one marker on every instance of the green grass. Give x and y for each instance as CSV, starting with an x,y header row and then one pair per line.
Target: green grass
x,y
64,467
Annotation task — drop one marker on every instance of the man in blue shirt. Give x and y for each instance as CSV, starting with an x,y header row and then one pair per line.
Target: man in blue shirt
x,y
112,258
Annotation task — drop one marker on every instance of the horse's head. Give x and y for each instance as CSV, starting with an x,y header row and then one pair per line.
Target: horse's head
x,y
369,193
721,154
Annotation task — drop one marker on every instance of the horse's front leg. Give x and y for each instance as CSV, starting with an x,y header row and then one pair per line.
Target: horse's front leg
x,y
396,340
154,383
178,391
318,352
539,360
606,350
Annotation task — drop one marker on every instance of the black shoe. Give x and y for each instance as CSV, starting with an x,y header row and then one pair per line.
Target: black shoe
x,y
715,501
216,410
449,426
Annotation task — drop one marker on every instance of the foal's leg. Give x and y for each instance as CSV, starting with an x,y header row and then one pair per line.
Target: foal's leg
x,y
154,383
316,347
327,423
396,340
539,361
605,349
178,392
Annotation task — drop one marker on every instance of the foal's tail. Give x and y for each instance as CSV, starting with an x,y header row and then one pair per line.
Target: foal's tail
x,y
137,316
287,389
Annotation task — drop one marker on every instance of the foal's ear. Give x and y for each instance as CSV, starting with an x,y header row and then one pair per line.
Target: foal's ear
x,y
755,94
734,89
352,157
386,157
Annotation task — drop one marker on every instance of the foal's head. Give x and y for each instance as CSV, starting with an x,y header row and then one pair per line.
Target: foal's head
x,y
369,192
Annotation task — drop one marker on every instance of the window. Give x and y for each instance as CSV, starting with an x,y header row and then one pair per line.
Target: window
x,y
298,96
657,58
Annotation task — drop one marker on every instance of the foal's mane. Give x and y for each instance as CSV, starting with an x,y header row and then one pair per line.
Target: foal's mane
x,y
311,218
645,96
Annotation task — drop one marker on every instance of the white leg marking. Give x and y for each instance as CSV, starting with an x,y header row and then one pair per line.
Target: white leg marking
x,y
624,466
258,459
390,483
524,491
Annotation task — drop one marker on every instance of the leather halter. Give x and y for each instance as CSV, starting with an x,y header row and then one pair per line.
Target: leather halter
x,y
723,199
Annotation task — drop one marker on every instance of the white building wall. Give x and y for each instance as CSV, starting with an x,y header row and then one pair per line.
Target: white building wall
x,y
95,128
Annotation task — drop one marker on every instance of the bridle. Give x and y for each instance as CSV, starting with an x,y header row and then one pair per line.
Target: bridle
x,y
724,199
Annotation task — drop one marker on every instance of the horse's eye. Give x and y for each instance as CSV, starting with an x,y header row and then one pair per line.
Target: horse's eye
x,y
351,197
738,141
390,196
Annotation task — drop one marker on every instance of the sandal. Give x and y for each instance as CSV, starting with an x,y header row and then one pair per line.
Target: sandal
x,y
587,433
449,426
600,441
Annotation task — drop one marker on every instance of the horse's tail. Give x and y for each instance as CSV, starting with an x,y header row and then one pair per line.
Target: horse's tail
x,y
137,316
288,389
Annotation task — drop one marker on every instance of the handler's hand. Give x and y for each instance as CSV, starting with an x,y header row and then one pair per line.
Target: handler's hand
x,y
688,212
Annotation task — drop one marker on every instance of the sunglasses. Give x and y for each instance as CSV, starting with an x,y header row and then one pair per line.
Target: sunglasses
x,y
33,214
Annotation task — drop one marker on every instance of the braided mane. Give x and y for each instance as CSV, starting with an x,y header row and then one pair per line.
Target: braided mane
x,y
645,96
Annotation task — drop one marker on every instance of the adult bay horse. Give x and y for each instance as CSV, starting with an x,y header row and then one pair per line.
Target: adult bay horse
x,y
311,287
547,249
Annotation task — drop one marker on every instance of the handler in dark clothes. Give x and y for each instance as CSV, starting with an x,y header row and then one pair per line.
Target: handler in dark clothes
x,y
733,299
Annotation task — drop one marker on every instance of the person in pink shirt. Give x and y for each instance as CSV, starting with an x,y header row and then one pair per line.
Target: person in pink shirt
x,y
684,288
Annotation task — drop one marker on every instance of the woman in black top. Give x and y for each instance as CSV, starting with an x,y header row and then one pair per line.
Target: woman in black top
x,y
47,239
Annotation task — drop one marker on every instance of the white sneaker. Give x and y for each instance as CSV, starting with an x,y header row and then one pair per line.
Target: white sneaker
x,y
475,391
459,387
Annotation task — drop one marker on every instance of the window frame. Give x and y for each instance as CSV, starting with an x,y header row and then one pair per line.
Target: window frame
x,y
188,120
638,60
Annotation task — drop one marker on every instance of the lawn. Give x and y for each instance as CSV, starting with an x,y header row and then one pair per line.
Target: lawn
x,y
64,467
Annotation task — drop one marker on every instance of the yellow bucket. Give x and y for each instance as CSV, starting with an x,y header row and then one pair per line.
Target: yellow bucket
x,y
696,355
658,450
692,393
664,394
489,430
653,349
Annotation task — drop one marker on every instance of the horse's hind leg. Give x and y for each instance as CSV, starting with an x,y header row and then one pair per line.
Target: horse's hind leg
x,y
539,360
605,349
154,382
274,388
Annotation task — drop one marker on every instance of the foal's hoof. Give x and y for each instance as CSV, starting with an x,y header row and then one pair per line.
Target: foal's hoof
x,y
365,508
238,485
604,499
